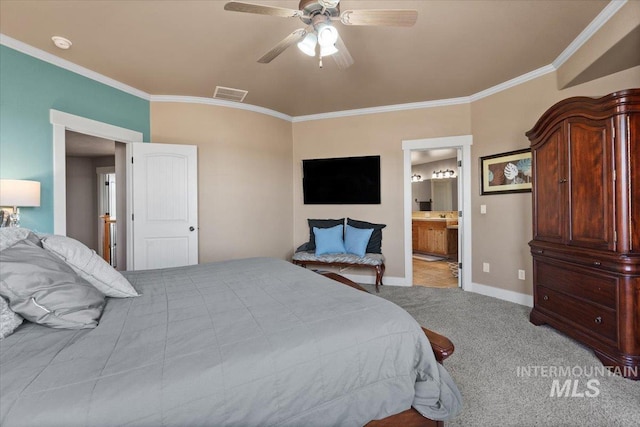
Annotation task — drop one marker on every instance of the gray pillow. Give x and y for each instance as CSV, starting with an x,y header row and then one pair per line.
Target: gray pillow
x,y
9,321
90,266
43,289
9,236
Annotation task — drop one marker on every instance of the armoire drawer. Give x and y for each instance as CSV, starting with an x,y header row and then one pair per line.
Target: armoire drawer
x,y
595,319
580,282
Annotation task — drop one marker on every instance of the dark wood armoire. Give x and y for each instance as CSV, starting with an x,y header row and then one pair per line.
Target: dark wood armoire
x,y
586,224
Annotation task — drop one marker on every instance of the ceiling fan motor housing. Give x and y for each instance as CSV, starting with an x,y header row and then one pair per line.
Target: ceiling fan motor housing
x,y
313,8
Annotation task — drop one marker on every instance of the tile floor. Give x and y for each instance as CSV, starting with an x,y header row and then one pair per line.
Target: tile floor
x,y
433,274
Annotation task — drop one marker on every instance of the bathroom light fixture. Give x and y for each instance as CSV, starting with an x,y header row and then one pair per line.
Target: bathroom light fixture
x,y
18,192
61,42
416,178
443,174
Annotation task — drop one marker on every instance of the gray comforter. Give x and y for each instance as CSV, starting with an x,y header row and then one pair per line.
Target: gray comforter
x,y
238,343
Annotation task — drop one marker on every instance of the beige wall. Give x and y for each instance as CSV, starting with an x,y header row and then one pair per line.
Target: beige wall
x,y
251,185
375,134
244,177
499,123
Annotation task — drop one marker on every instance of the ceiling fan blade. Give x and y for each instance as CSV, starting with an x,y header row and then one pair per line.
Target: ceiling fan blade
x,y
342,56
291,39
236,6
391,17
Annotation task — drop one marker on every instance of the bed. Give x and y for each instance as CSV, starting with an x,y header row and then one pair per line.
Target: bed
x,y
237,343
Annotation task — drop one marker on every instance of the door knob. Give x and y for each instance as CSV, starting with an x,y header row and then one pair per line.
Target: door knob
x,y
191,228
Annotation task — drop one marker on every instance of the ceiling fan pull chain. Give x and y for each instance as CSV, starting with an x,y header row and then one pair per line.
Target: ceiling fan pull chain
x,y
320,61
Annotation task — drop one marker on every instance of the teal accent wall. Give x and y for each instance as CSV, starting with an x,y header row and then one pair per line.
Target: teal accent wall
x,y
29,88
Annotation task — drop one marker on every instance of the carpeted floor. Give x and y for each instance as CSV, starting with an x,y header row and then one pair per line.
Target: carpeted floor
x,y
495,344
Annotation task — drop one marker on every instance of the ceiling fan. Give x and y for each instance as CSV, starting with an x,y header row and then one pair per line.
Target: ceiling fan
x,y
320,38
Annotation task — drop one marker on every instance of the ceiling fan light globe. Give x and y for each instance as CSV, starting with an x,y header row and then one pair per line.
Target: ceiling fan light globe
x,y
308,45
327,35
328,50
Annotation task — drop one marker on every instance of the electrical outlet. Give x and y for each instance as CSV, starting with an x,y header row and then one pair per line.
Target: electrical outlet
x,y
521,274
486,267
483,209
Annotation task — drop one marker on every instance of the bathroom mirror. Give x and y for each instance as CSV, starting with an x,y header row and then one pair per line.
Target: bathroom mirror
x,y
443,194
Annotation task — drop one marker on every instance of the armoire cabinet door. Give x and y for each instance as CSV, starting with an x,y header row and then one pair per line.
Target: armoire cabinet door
x,y
632,146
549,173
590,184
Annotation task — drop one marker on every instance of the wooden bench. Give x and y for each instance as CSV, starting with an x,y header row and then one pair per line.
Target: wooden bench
x,y
374,261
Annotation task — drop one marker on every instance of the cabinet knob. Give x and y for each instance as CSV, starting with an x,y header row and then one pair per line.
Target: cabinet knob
x,y
597,263
598,320
538,251
563,180
546,297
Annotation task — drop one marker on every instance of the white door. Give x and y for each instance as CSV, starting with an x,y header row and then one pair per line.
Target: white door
x,y
164,205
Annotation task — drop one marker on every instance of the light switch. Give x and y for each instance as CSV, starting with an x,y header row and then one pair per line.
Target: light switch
x,y
483,209
486,268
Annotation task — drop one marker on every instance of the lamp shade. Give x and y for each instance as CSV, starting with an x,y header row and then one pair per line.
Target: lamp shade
x,y
20,193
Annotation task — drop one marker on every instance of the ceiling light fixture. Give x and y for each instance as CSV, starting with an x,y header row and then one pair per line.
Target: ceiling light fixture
x,y
328,50
327,35
324,35
308,44
61,42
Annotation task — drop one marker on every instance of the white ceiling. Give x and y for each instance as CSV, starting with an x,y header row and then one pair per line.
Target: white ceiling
x,y
419,157
457,48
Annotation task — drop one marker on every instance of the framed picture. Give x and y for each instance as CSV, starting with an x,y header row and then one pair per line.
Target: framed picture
x,y
506,173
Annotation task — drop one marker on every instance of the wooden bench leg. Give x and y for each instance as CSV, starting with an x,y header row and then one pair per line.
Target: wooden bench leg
x,y
379,273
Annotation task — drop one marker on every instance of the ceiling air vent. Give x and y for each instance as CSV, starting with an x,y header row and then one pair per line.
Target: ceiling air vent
x,y
229,94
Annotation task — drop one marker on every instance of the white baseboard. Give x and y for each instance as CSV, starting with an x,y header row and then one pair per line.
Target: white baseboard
x,y
371,279
503,294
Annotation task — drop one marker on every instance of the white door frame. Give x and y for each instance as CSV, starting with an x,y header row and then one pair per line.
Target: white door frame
x,y
464,143
62,122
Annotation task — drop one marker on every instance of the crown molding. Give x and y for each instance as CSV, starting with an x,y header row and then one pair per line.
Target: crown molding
x,y
532,75
383,109
220,103
610,10
68,65
594,26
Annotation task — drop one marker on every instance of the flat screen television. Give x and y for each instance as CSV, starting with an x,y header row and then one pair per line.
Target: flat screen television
x,y
341,181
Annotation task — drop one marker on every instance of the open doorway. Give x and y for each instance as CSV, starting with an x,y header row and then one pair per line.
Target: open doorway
x,y
434,217
462,146
94,194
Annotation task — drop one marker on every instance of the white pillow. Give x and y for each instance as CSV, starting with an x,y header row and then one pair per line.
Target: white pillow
x,y
9,320
90,266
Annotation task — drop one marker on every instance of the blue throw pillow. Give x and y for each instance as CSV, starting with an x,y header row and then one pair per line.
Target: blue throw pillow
x,y
329,240
356,240
375,243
